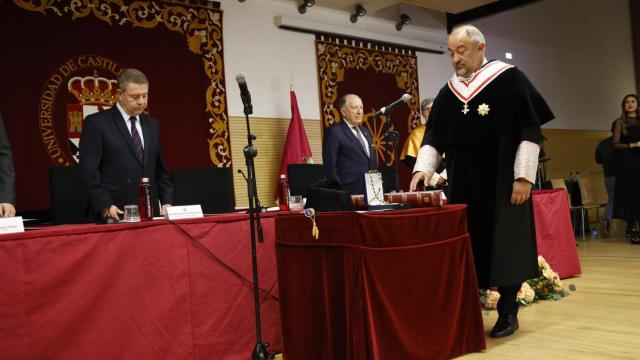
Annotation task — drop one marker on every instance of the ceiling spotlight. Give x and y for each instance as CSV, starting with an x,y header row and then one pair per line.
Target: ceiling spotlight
x,y
359,11
305,4
404,20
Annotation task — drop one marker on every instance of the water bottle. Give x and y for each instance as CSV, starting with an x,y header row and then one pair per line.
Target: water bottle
x,y
283,192
144,200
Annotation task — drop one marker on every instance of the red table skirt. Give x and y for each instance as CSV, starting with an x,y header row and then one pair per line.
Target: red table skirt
x,y
554,233
136,291
184,291
386,285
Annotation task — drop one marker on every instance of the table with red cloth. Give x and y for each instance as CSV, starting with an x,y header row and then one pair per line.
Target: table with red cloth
x,y
378,285
155,290
554,233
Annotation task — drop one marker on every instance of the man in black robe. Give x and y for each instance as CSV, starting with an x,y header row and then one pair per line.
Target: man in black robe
x,y
487,120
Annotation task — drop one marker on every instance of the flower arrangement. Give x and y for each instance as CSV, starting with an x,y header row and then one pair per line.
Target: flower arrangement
x,y
547,286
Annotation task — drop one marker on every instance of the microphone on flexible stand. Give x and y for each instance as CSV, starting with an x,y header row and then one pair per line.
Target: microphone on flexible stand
x,y
389,108
244,93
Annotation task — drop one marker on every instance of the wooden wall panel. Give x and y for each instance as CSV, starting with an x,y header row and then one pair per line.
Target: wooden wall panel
x,y
569,150
271,134
572,150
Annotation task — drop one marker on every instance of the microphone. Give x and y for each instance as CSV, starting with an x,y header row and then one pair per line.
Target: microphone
x,y
244,93
389,108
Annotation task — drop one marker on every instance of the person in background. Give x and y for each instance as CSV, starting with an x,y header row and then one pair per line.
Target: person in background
x,y
347,147
626,140
413,143
606,156
487,120
7,175
121,145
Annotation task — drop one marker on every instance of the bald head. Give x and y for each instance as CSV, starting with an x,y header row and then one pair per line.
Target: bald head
x,y
470,32
466,48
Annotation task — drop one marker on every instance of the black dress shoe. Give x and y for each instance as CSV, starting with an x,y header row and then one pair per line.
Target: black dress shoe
x,y
505,326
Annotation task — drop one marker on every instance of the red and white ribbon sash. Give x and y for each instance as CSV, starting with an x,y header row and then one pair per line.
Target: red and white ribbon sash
x,y
465,90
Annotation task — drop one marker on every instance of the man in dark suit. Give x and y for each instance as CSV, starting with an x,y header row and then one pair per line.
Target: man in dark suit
x,y
347,148
121,145
7,175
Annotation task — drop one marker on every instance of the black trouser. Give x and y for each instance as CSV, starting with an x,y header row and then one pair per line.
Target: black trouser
x,y
507,303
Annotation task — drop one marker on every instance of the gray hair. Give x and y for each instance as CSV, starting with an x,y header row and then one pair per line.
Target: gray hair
x,y
472,33
343,100
131,75
426,103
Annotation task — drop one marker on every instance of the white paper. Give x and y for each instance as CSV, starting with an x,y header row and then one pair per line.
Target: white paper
x,y
9,225
183,212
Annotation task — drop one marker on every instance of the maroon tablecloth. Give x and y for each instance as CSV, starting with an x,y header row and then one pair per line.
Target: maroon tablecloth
x,y
554,233
384,285
136,291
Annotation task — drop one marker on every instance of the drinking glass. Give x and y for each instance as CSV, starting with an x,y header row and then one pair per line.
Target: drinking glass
x,y
131,213
296,202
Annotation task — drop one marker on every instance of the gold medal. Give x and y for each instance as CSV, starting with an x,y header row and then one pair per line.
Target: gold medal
x,y
483,109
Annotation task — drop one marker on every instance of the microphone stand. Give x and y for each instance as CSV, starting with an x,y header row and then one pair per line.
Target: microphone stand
x,y
250,152
393,136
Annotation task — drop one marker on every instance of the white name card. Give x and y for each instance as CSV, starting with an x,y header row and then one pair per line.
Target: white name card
x,y
183,212
9,225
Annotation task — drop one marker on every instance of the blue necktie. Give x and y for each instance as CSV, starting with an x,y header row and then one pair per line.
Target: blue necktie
x,y
137,141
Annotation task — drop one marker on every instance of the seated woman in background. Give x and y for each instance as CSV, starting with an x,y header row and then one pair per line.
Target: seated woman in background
x,y
626,140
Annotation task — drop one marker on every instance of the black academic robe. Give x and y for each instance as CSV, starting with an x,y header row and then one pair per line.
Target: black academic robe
x,y
480,151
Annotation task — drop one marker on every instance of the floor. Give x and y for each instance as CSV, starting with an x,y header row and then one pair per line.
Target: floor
x,y
600,320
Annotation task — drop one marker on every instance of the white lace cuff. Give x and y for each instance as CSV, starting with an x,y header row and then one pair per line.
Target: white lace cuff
x,y
526,164
427,161
434,179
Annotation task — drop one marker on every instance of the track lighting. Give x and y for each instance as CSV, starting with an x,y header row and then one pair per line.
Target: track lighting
x,y
359,11
404,20
305,4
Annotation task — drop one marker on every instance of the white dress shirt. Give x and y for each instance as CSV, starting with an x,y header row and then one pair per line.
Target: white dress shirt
x,y
128,122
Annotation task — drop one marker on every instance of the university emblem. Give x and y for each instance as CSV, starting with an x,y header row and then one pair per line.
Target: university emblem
x,y
79,87
93,93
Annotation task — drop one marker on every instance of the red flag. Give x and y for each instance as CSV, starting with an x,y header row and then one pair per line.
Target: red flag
x,y
296,148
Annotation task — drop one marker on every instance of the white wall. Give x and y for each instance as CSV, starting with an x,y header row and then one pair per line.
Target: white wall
x,y
270,57
576,52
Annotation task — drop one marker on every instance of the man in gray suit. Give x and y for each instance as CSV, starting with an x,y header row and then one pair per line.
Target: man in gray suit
x,y
121,145
7,175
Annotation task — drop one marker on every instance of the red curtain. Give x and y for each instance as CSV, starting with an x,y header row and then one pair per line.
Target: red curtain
x,y
379,74
50,46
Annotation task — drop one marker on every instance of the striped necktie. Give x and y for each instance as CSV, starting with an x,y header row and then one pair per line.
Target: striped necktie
x,y
360,137
137,141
